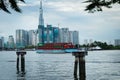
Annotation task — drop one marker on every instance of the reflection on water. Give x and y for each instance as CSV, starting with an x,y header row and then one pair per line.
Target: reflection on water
x,y
75,77
21,76
100,65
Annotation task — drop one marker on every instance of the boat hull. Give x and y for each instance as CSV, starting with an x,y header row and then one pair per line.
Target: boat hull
x,y
50,51
57,51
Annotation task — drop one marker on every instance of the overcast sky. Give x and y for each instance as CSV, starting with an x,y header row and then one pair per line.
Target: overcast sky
x,y
103,26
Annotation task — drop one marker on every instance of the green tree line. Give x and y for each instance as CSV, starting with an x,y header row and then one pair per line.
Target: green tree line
x,y
102,45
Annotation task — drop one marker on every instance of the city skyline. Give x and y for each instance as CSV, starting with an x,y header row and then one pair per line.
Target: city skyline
x,y
97,26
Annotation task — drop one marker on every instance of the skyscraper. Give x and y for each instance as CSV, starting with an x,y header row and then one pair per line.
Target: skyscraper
x,y
49,34
21,38
32,38
41,24
64,32
41,19
2,43
70,37
56,35
11,44
75,37
2,38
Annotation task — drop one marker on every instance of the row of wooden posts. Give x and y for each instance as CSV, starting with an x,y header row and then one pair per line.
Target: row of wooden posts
x,y
79,59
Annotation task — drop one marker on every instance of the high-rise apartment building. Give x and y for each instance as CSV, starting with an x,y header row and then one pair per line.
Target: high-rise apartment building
x,y
56,35
49,34
21,38
32,38
64,32
70,37
2,43
75,37
11,44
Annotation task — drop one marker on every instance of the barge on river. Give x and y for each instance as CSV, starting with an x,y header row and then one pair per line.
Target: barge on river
x,y
56,48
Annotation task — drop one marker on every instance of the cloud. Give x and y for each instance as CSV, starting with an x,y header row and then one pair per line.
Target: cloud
x,y
29,3
65,6
62,5
29,21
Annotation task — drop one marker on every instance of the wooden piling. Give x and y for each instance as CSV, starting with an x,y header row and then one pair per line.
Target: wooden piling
x,y
81,59
22,63
22,53
82,71
75,67
17,65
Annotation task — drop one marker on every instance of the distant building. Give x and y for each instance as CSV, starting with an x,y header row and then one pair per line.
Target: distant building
x,y
70,37
41,25
41,33
64,32
21,38
56,36
117,42
2,43
11,44
32,34
48,34
86,41
36,37
75,37
90,41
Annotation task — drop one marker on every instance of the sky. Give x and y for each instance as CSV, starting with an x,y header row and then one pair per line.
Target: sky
x,y
100,26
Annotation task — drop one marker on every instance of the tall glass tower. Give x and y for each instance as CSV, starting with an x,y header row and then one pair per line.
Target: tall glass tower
x,y
41,19
41,24
11,44
21,38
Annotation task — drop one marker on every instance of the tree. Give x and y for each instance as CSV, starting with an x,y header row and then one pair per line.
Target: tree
x,y
4,5
96,5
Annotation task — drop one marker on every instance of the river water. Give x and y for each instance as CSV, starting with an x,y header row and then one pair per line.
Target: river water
x,y
100,65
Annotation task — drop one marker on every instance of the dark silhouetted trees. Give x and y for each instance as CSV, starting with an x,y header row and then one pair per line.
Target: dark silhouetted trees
x,y
96,5
5,4
102,45
93,5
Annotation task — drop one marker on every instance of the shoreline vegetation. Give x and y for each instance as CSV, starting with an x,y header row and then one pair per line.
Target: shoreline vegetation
x,y
97,45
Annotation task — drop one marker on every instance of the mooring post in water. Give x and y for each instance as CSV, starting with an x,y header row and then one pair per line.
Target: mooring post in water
x,y
17,65
22,53
82,71
81,59
75,66
22,63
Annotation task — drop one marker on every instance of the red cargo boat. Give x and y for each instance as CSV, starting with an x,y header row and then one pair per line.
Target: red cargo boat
x,y
54,47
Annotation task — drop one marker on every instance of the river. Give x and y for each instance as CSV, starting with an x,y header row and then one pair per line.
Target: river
x,y
100,65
